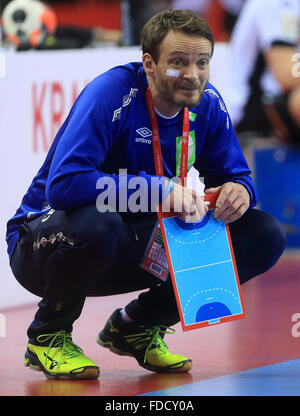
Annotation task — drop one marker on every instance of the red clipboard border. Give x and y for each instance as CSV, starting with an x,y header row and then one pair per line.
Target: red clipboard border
x,y
212,199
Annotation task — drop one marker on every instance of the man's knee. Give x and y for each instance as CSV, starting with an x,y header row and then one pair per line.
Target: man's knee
x,y
271,241
258,242
272,244
272,235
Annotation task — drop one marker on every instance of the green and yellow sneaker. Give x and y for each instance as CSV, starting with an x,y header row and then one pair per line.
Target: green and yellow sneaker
x,y
59,358
144,344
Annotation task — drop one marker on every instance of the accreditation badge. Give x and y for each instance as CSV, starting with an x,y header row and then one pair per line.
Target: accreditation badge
x,y
155,259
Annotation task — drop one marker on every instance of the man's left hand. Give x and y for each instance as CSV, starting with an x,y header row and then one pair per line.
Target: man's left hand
x,y
232,203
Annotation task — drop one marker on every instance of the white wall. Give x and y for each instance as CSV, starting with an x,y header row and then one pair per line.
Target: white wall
x,y
36,93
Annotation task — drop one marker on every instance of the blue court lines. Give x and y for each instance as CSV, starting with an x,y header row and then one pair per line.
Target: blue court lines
x,y
281,379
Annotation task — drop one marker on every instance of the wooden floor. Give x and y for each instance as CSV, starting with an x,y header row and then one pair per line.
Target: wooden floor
x,y
263,338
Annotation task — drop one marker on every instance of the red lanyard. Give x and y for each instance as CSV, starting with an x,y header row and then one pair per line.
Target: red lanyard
x,y
156,140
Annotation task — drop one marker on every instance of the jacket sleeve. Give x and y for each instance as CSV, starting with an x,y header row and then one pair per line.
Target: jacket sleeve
x,y
85,140
221,159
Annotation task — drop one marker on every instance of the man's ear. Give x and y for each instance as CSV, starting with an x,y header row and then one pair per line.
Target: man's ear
x,y
148,64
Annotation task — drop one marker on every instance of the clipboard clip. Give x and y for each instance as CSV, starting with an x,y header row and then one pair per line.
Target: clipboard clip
x,y
211,199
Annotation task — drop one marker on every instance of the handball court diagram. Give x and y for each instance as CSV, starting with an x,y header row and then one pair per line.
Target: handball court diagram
x,y
203,270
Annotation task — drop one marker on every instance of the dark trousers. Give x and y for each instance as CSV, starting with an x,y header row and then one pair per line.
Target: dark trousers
x,y
65,256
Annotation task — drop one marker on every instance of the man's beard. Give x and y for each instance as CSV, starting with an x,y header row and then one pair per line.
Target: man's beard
x,y
169,95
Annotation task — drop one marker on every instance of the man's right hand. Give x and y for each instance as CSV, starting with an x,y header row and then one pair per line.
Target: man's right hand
x,y
188,204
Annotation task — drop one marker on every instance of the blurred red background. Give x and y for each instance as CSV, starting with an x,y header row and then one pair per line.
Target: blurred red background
x,y
107,14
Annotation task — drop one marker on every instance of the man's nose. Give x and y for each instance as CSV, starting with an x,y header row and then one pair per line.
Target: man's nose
x,y
191,73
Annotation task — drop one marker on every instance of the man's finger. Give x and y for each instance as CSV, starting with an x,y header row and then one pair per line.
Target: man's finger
x,y
224,201
237,214
212,190
231,209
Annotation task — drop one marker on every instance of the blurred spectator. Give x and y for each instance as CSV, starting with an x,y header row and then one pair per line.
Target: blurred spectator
x,y
265,90
64,36
141,12
230,10
198,6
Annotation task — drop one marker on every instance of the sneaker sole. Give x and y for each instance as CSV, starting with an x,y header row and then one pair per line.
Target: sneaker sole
x,y
87,373
182,367
185,366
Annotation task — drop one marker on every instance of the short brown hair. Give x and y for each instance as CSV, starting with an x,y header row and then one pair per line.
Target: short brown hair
x,y
159,25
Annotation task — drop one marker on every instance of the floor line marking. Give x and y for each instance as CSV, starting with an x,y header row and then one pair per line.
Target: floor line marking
x,y
276,379
200,267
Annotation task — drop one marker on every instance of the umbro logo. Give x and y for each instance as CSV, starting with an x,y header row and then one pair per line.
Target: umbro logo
x,y
145,134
